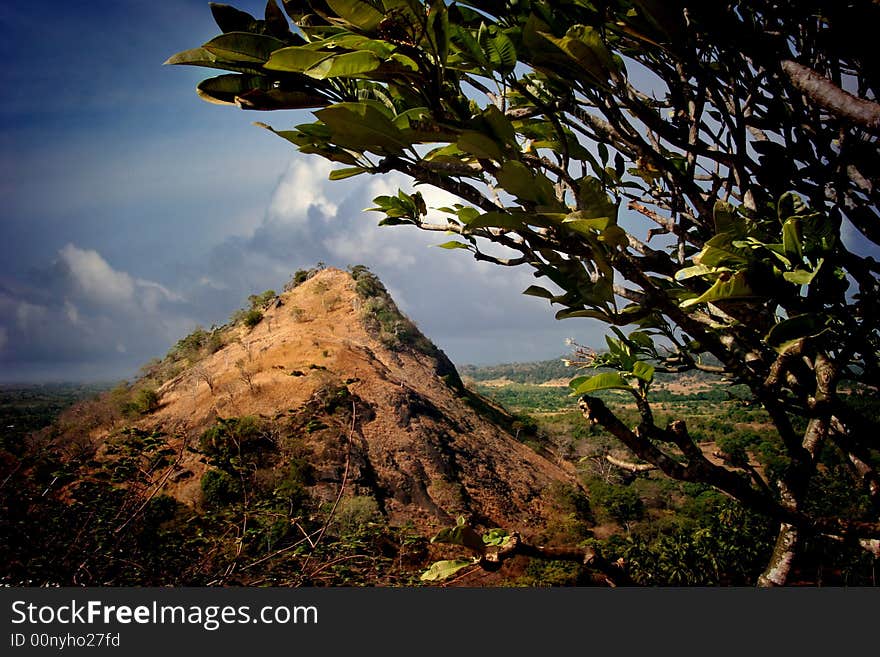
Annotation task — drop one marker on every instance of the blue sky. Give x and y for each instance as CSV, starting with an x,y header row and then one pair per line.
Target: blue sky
x,y
132,211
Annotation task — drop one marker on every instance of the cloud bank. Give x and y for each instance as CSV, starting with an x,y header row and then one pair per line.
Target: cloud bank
x,y
84,316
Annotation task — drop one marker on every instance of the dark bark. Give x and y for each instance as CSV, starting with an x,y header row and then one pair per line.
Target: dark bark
x,y
614,573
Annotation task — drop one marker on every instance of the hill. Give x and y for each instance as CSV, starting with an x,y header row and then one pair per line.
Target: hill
x,y
321,411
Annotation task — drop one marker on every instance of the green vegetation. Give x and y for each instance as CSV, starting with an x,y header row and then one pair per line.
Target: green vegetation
x,y
671,533
724,126
534,372
25,409
131,401
519,396
65,518
219,489
300,276
618,502
252,314
383,319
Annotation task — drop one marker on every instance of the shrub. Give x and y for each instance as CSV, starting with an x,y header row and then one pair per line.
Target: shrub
x,y
734,447
620,503
131,403
253,314
355,512
257,301
251,318
190,347
299,277
219,488
146,400
231,442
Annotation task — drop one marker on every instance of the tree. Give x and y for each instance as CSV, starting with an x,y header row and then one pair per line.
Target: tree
x,y
742,137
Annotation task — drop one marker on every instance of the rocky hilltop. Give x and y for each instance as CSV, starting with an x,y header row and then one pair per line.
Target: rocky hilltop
x,y
335,377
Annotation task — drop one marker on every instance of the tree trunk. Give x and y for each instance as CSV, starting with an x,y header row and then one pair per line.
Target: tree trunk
x,y
784,551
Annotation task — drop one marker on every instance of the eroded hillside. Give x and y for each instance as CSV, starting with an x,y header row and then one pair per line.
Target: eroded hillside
x,y
319,410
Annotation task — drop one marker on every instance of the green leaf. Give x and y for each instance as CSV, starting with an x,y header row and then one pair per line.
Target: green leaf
x,y
538,291
496,537
467,214
605,381
801,276
594,202
791,239
516,178
255,92
578,222
720,251
614,236
790,205
193,57
338,42
444,569
311,138
727,220
500,125
350,64
479,145
583,44
568,313
223,89
643,371
356,13
230,19
276,22
455,245
244,47
734,287
438,29
341,174
497,220
295,59
499,49
462,534
794,328
363,126
642,340
696,270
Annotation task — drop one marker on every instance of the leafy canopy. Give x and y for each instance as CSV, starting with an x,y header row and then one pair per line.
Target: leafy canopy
x,y
741,137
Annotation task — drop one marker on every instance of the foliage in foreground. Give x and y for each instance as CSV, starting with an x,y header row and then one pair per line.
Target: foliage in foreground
x,y
746,157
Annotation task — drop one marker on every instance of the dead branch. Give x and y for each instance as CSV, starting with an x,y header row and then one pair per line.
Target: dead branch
x,y
632,467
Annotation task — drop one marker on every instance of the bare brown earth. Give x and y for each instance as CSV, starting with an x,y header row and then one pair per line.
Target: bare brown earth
x,y
415,443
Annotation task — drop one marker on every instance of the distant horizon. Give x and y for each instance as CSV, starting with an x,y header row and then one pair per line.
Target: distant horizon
x,y
111,381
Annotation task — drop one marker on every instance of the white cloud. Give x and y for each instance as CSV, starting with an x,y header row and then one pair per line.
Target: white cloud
x,y
302,188
82,315
351,247
152,294
72,312
95,278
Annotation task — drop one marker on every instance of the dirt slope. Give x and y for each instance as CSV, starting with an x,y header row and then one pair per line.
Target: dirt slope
x,y
397,425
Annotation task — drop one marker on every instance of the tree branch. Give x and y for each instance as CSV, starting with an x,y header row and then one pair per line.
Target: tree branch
x,y
632,467
614,573
828,95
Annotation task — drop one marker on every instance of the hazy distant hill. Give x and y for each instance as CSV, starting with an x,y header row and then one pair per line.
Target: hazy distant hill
x,y
534,372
